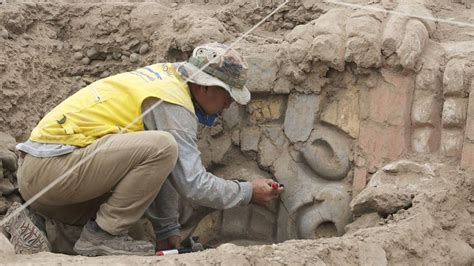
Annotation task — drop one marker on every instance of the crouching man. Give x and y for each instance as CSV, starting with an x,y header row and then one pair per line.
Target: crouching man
x,y
115,164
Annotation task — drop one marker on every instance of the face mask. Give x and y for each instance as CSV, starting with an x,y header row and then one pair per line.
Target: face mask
x,y
203,118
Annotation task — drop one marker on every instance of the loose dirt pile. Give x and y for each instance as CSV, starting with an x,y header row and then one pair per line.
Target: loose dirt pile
x,y
367,118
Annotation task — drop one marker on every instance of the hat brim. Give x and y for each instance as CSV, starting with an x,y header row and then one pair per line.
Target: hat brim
x,y
195,75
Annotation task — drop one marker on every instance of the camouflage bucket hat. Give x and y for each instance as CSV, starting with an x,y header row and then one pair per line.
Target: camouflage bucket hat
x,y
227,69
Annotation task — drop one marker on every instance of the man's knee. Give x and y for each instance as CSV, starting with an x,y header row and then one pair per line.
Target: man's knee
x,y
165,144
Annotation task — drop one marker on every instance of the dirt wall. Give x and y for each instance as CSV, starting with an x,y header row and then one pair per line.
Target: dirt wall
x,y
366,117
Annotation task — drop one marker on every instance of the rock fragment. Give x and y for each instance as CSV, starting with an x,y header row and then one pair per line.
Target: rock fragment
x,y
105,74
217,130
384,201
9,160
144,49
7,142
134,58
92,53
6,187
4,33
230,248
76,47
392,188
78,56
85,61
236,137
364,221
407,166
116,55
232,116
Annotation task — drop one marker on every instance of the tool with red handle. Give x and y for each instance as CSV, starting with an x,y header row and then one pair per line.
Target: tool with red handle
x,y
194,246
174,251
276,185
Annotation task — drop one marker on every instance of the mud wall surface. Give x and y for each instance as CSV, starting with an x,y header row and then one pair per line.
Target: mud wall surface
x,y
366,117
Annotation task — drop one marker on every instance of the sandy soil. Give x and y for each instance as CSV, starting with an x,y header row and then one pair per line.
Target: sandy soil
x,y
51,50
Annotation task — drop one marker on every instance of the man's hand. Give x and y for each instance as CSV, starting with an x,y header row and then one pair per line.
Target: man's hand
x,y
171,242
263,191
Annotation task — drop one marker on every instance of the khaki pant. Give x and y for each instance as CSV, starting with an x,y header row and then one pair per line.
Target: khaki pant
x,y
115,185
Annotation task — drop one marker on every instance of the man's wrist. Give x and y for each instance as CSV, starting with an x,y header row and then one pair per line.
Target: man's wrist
x,y
246,192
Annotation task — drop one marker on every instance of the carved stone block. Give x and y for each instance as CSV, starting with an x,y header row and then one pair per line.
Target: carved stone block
x,y
451,142
425,108
327,153
266,109
249,139
343,112
425,140
235,221
454,112
233,115
453,78
300,116
262,223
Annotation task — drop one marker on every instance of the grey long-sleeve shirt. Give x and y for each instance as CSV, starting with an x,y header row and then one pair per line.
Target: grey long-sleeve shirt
x,y
189,177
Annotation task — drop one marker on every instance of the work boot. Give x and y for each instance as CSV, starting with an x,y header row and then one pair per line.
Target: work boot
x,y
25,236
96,242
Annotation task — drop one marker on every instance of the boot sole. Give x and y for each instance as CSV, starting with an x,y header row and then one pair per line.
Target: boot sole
x,y
26,238
87,249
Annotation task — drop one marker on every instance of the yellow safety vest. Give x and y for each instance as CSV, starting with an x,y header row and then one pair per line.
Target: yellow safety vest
x,y
110,105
